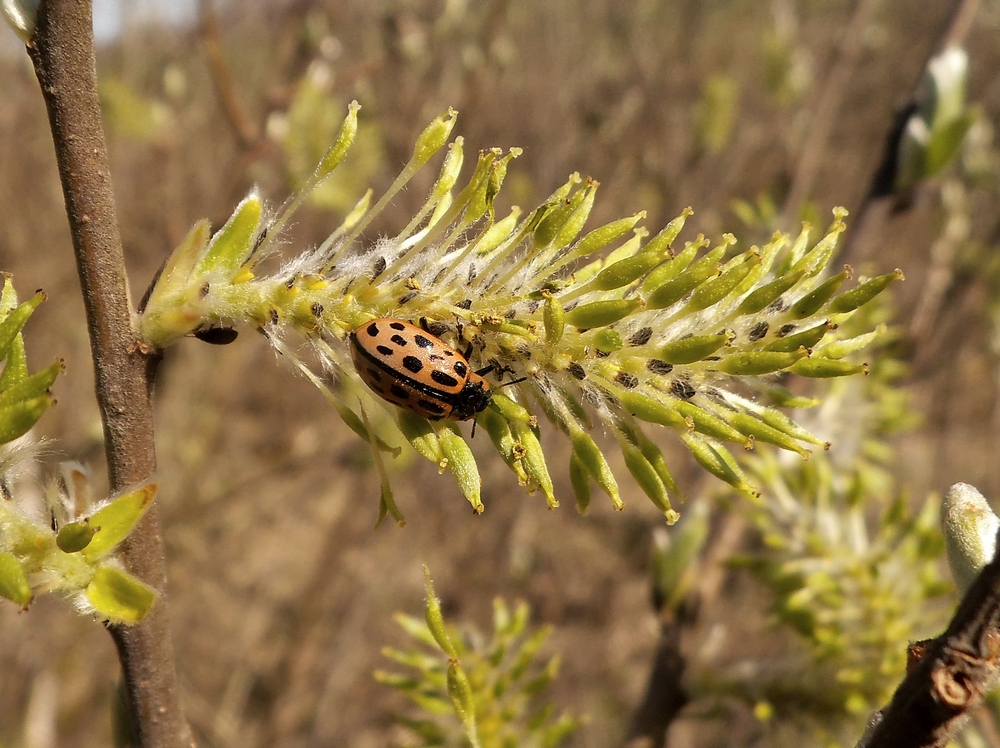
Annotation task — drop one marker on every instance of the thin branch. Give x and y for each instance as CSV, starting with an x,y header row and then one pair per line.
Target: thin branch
x,y
952,679
246,131
826,109
62,51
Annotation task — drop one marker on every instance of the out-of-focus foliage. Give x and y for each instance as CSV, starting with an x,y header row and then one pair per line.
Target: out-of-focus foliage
x,y
486,691
850,567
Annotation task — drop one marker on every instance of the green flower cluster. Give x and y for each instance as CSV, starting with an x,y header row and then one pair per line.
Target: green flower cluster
x,y
850,566
609,327
61,551
474,690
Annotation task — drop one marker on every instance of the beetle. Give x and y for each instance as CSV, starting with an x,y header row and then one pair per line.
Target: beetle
x,y
413,369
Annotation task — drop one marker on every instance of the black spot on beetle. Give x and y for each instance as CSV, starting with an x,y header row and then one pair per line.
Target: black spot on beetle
x,y
626,380
399,392
758,331
682,389
384,350
399,340
641,337
372,330
461,369
374,374
397,325
423,342
431,406
444,379
412,364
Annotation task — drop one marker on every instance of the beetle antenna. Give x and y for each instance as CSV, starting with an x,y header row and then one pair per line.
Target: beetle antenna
x,y
516,381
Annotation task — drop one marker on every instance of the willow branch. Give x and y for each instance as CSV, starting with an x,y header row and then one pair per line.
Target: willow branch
x,y
62,51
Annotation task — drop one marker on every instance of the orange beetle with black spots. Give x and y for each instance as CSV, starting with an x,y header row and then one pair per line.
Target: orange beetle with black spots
x,y
413,369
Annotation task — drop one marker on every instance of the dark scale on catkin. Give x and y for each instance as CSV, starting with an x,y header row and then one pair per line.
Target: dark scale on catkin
x,y
785,331
576,371
682,389
640,337
657,366
758,331
626,380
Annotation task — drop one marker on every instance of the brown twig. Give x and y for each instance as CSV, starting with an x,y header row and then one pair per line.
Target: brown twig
x,y
62,51
952,679
246,131
826,109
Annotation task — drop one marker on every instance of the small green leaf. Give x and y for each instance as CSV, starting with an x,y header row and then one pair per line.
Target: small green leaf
x,y
11,326
342,144
119,597
113,523
17,419
34,386
232,244
13,581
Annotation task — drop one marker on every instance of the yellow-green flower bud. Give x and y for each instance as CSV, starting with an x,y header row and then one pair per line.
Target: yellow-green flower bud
x,y
345,138
608,341
498,429
711,425
579,478
533,461
509,409
460,692
841,348
601,313
434,136
551,225
13,580
670,270
593,461
554,319
602,236
463,466
863,293
75,536
674,290
494,236
762,432
822,368
646,477
653,411
573,225
435,618
421,436
811,303
695,348
628,270
767,295
805,339
817,258
755,363
662,241
717,460
715,290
